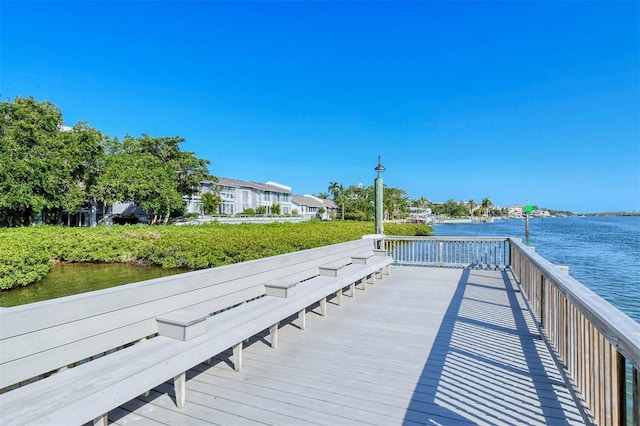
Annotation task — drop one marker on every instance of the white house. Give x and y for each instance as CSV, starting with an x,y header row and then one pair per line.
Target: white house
x,y
308,206
236,196
515,210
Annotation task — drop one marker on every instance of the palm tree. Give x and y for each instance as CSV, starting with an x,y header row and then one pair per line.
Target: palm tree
x,y
472,205
323,195
486,205
421,202
337,190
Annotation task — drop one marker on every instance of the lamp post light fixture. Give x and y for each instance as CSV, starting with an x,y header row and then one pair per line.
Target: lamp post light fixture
x,y
378,197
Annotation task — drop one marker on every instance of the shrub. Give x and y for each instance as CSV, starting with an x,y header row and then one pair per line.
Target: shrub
x,y
27,253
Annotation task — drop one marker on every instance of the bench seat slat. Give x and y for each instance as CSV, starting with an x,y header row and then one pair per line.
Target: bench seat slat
x,y
85,392
43,315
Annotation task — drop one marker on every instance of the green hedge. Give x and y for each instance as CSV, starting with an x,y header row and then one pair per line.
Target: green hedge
x,y
26,254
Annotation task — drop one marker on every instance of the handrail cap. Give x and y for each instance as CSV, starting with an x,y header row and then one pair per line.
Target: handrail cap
x,y
373,237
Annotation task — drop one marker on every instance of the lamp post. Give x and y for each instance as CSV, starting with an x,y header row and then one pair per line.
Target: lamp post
x,y
378,197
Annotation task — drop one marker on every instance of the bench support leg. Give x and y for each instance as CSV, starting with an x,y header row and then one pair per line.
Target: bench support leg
x,y
352,289
180,389
103,420
323,307
237,356
371,279
273,335
303,319
339,297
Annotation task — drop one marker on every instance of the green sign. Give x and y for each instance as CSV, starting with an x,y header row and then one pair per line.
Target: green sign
x,y
528,209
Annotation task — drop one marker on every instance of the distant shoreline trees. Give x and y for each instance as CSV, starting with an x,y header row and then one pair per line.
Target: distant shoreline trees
x,y
356,202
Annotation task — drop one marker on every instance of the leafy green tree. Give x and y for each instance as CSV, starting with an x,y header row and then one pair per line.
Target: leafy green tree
x,y
152,173
453,208
43,169
259,210
143,179
190,171
275,209
359,202
396,203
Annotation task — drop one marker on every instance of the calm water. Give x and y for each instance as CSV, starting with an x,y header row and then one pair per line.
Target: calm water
x,y
603,253
64,280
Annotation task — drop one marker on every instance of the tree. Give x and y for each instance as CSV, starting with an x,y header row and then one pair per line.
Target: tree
x,y
421,203
152,173
396,203
43,169
190,170
472,205
453,208
275,209
143,179
358,202
337,190
486,205
210,202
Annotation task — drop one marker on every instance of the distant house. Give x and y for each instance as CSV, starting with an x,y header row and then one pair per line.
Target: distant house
x,y
420,214
94,213
515,210
236,196
308,206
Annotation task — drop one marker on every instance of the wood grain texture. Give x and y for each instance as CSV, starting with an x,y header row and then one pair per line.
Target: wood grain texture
x,y
426,346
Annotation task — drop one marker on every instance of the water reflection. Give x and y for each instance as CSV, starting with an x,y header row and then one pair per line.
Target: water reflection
x,y
64,280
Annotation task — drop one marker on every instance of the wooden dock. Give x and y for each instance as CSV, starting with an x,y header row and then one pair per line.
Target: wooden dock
x,y
422,346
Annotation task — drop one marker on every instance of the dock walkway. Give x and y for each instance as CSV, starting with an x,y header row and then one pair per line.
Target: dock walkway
x,y
422,346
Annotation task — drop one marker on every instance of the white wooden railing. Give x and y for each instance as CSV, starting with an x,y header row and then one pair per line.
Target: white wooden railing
x,y
456,252
597,343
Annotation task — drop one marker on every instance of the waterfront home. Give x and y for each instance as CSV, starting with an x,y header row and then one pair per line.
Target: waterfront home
x,y
236,196
515,210
308,206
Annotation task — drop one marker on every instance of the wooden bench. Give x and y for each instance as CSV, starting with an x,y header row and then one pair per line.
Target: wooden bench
x,y
108,347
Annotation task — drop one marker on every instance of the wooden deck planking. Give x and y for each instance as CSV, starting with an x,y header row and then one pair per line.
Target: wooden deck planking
x,y
423,346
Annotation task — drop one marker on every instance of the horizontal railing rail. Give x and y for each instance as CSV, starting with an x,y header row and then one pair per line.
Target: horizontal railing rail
x,y
598,344
453,252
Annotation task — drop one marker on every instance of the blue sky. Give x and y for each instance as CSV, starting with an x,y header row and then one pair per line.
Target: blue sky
x,y
514,101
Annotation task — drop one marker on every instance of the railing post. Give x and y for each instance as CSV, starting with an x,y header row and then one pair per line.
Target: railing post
x,y
636,396
543,303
